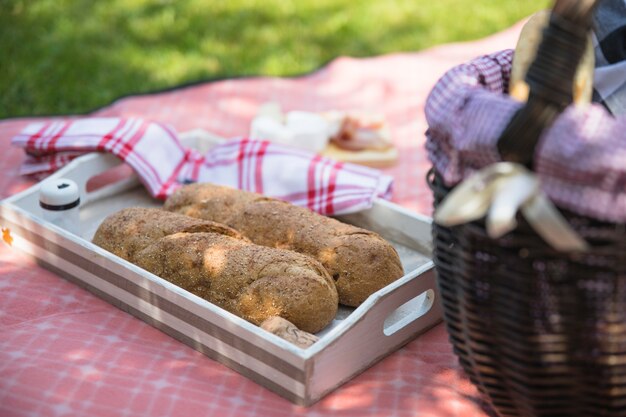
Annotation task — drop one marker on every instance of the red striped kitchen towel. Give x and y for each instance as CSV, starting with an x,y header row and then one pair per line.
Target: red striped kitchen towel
x,y
163,164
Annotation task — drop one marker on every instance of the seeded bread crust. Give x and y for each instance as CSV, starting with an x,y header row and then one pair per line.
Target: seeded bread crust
x,y
360,261
218,264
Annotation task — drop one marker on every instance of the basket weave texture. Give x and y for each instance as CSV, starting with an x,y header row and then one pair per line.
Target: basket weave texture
x,y
539,332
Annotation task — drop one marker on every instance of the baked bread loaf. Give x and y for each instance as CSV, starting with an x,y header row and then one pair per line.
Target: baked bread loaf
x,y
218,264
360,262
286,330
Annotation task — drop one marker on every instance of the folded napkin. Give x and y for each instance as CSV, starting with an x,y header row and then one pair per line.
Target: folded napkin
x,y
609,39
163,164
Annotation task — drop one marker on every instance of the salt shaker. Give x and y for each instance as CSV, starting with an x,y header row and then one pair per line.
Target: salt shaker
x,y
59,200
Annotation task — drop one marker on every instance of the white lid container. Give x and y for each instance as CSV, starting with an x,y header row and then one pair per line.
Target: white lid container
x,y
59,199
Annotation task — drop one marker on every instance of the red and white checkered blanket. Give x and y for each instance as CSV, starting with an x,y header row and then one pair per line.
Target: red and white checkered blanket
x,y
154,151
580,159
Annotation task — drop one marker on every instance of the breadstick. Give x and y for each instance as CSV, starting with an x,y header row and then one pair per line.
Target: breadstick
x,y
360,261
219,265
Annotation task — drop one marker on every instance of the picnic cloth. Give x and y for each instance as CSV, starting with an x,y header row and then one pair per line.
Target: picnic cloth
x,y
579,159
64,352
163,164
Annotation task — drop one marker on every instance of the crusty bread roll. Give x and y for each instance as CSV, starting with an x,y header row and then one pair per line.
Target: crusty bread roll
x,y
219,265
286,330
361,262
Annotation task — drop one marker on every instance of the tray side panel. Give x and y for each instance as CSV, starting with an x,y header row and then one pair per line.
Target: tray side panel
x,y
366,343
103,278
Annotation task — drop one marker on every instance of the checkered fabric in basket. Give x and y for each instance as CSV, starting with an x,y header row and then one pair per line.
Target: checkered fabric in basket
x,y
580,159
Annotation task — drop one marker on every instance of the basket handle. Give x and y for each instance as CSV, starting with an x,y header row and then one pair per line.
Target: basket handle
x,y
550,78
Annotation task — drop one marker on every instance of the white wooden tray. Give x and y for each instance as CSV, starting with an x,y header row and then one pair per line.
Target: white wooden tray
x,y
355,340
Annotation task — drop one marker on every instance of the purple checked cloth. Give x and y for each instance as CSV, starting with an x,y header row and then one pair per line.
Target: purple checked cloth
x,y
580,159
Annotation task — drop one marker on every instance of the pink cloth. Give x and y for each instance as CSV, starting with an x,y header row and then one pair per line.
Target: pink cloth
x,y
580,159
154,151
63,352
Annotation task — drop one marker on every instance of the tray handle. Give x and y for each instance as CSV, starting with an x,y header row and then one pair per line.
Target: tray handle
x,y
409,309
82,169
85,168
375,329
394,315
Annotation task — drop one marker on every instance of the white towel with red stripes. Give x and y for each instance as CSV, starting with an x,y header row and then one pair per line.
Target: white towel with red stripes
x,y
163,164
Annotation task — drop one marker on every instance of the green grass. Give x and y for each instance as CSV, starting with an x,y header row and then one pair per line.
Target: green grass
x,y
72,56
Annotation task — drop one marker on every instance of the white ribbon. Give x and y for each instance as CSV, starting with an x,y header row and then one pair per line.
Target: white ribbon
x,y
499,191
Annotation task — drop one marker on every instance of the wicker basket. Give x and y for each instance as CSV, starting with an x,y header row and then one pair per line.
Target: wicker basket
x,y
539,332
